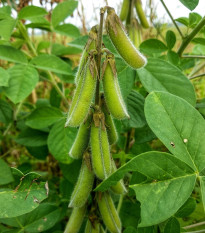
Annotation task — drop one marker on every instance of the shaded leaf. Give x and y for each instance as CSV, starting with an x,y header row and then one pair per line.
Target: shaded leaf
x,y
188,208
170,39
5,174
172,226
6,112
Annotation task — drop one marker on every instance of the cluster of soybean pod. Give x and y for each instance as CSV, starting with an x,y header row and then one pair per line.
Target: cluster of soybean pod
x,y
97,131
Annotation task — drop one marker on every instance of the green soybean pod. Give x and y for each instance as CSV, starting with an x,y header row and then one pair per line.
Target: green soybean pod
x,y
81,141
80,111
124,10
83,187
92,227
119,188
121,41
110,126
91,44
112,93
76,219
141,14
108,212
135,33
101,159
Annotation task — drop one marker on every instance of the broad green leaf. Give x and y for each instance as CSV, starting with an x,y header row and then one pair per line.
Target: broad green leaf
x,y
6,27
43,117
143,135
130,230
60,50
25,198
32,137
39,152
51,63
159,75
5,174
5,11
6,112
173,57
151,46
170,39
172,226
188,208
190,4
11,54
159,196
41,219
30,12
181,130
23,80
4,77
135,107
202,184
62,11
60,140
67,30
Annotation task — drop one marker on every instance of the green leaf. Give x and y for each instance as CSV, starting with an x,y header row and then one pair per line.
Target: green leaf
x,y
181,129
60,50
170,39
41,219
5,174
32,137
130,230
173,57
25,198
6,27
188,208
43,117
183,20
6,112
62,11
202,185
172,226
135,107
145,230
60,140
159,75
67,30
39,152
194,19
23,80
190,4
151,46
4,77
159,196
199,40
9,53
51,63
30,12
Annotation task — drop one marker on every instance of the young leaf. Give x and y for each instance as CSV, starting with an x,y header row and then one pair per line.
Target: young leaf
x,y
30,12
4,77
166,177
60,140
23,80
51,63
190,4
25,198
43,117
160,75
5,175
9,53
170,39
62,11
181,129
151,46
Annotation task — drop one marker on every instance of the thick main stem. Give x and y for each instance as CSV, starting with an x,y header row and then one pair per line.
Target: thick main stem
x,y
99,55
193,33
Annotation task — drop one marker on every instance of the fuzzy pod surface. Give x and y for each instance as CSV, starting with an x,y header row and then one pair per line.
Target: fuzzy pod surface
x,y
119,188
79,111
100,148
121,41
76,219
92,227
141,14
83,186
108,212
81,141
112,93
124,10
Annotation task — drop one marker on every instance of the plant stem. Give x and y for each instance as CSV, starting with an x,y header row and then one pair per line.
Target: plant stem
x,y
188,39
171,17
197,76
194,225
200,231
193,56
197,69
99,55
120,203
